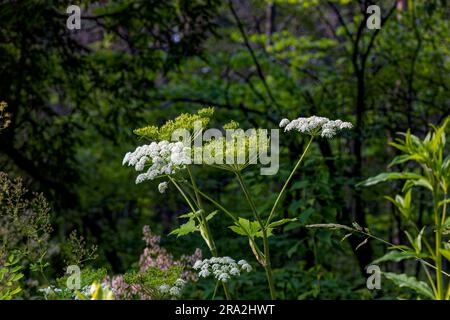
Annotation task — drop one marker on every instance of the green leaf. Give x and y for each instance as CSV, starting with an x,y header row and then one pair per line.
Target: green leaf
x,y
419,240
239,230
422,182
15,269
187,215
446,253
249,228
441,203
402,280
281,222
245,227
184,229
386,176
16,291
395,256
16,277
211,215
400,159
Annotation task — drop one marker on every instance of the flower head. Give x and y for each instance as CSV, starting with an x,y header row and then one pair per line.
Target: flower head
x,y
314,126
221,268
162,158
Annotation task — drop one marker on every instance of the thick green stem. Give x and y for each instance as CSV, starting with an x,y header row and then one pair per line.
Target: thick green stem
x,y
267,264
437,218
211,242
269,219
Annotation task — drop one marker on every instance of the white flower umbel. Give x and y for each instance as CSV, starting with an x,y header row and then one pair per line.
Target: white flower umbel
x,y
314,125
223,268
163,158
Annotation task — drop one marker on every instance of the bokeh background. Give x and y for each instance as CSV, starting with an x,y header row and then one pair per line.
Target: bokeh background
x,y
75,96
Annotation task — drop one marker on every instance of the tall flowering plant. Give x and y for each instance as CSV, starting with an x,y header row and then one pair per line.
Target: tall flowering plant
x,y
167,160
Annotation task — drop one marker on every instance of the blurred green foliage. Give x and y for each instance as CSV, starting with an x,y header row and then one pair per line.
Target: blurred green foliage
x,y
74,98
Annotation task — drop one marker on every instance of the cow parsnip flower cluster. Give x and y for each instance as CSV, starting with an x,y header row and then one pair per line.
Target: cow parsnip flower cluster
x,y
242,148
164,158
315,125
221,268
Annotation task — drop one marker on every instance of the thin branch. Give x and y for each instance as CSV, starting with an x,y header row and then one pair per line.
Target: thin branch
x,y
252,53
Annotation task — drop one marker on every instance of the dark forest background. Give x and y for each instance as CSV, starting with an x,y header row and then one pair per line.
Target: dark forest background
x,y
76,96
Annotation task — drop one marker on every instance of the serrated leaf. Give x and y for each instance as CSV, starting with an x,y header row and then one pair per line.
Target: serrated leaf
x,y
185,229
238,230
268,233
249,228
